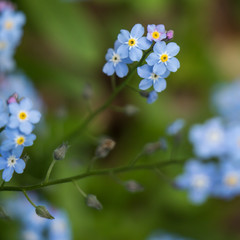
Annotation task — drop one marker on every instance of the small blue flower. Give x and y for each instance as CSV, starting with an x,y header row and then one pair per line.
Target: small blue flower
x,y
7,63
208,139
228,184
10,162
156,32
116,62
152,97
16,139
197,179
175,127
163,57
3,114
6,46
132,43
22,116
151,78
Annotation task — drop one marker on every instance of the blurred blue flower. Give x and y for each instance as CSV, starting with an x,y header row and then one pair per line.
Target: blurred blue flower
x,y
132,43
208,139
16,139
165,236
152,97
156,32
228,180
3,114
7,63
197,179
151,78
10,162
116,62
163,57
6,46
175,127
22,116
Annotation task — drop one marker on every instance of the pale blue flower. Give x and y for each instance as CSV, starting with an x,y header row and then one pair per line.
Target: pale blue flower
x,y
152,97
116,62
3,114
132,43
197,179
156,32
11,162
16,139
175,127
22,116
151,78
208,139
163,57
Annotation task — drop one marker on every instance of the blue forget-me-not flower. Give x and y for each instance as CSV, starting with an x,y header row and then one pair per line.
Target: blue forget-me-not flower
x,y
156,32
3,114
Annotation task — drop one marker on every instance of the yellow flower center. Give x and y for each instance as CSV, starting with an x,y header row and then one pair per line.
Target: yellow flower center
x,y
131,42
20,140
22,115
8,25
155,35
164,57
231,180
2,45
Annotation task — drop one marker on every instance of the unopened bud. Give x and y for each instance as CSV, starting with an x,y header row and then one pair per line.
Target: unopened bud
x,y
92,201
170,34
13,98
42,211
60,152
87,92
153,147
133,186
130,110
144,94
25,158
105,146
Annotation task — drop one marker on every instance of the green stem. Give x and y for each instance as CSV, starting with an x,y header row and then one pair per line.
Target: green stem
x,y
3,182
49,170
27,197
116,170
91,116
113,81
92,161
133,162
79,189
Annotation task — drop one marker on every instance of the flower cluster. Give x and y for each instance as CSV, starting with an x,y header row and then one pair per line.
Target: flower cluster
x,y
11,24
129,48
218,138
17,121
35,227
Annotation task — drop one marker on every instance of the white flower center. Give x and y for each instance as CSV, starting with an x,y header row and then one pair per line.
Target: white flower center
x,y
11,161
215,136
116,58
154,76
200,181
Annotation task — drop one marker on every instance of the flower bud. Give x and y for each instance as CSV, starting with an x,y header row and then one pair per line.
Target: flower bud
x,y
60,152
144,94
153,147
92,201
133,186
13,98
130,110
170,34
105,146
87,92
42,211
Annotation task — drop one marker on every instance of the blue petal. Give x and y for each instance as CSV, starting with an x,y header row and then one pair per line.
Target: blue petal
x,y
20,165
7,145
159,47
144,43
26,127
34,116
123,36
108,68
160,28
1,105
153,96
26,104
135,54
17,152
166,74
123,51
3,119
173,64
160,85
13,122
109,54
29,140
13,108
137,31
144,71
145,84
172,49
3,163
7,174
121,70
152,59
117,44
159,68
151,28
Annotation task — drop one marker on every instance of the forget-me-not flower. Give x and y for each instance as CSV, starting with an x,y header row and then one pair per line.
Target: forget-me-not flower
x,y
10,162
132,43
22,116
116,62
197,179
175,127
151,78
163,58
3,114
156,32
152,97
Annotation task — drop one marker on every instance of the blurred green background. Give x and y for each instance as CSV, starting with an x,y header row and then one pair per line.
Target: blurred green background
x,y
63,48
